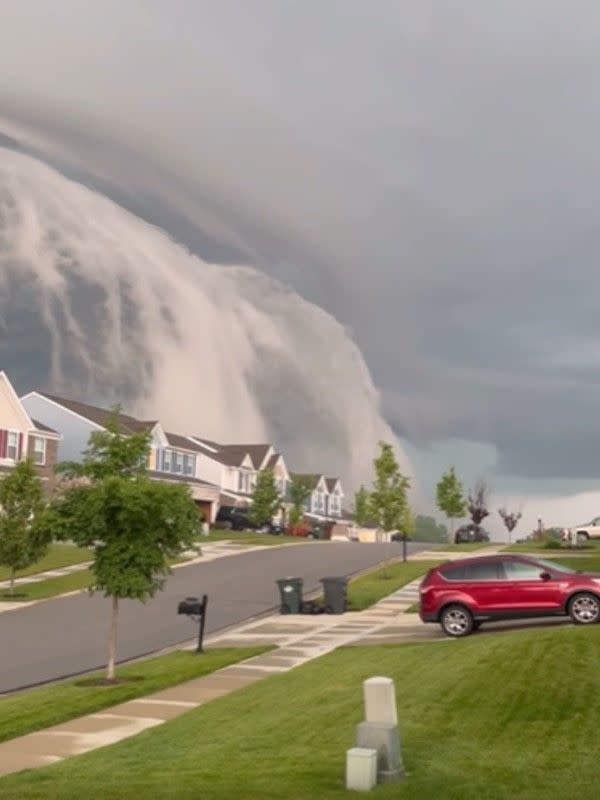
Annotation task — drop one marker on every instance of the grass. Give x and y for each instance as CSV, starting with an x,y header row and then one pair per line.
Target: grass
x,y
51,587
465,547
35,709
58,555
371,587
541,547
586,563
507,716
250,537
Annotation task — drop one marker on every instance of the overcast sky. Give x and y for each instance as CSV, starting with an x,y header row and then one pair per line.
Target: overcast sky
x,y
425,171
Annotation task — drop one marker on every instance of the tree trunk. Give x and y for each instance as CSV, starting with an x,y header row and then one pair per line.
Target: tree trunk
x,y
451,530
12,581
112,639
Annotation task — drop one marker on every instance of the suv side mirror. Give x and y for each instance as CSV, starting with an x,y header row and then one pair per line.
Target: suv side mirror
x,y
545,576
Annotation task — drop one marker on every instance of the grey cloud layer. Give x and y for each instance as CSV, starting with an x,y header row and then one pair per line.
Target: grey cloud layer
x,y
427,172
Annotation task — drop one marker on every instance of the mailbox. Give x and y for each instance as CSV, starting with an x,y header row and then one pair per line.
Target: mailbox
x,y
191,606
196,609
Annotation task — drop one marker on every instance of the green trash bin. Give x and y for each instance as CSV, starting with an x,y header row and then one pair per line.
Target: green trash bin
x,y
290,591
335,599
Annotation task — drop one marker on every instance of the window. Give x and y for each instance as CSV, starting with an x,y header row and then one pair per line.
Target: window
x,y
486,571
12,445
522,571
453,572
166,460
189,465
39,450
177,462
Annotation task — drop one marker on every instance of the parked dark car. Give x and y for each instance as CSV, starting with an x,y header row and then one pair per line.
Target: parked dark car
x,y
460,595
470,533
237,519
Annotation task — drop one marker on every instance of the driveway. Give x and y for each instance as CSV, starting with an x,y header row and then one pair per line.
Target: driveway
x,y
66,636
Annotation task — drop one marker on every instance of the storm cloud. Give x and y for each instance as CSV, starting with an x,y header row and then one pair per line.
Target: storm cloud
x,y
425,172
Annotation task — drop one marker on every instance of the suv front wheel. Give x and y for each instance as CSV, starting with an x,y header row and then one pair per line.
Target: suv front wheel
x,y
584,608
456,620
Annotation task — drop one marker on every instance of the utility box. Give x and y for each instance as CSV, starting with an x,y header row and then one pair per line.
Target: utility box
x,y
290,591
334,591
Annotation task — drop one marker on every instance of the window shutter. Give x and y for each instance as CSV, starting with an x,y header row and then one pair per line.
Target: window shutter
x,y
3,441
19,446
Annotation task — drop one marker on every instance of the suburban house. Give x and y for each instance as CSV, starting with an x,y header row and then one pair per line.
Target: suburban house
x,y
325,500
21,436
234,467
172,457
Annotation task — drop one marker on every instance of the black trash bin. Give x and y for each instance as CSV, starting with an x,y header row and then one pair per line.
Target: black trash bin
x,y
334,590
290,591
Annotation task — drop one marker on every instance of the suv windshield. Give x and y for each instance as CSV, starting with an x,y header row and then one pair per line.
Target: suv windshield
x,y
555,567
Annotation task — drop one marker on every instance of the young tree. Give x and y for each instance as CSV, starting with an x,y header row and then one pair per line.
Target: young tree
x,y
450,498
388,500
23,541
134,525
428,530
300,491
265,498
361,507
510,520
478,505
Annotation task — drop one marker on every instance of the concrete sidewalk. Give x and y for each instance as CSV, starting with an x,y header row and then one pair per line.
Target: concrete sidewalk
x,y
298,638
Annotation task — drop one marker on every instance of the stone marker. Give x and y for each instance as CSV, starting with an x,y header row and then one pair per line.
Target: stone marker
x,y
379,731
361,768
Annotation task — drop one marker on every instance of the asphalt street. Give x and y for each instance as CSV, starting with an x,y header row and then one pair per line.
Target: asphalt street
x,y
67,636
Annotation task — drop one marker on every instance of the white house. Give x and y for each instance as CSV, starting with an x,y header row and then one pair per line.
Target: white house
x,y
22,436
172,457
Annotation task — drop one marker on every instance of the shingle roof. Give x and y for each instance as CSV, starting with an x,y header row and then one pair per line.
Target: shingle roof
x,y
171,476
257,452
43,428
101,416
331,483
230,455
183,443
311,479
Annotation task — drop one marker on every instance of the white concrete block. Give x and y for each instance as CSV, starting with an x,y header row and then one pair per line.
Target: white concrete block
x,y
380,700
361,769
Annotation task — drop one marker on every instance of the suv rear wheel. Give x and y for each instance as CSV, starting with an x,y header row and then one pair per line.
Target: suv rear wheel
x,y
456,620
584,608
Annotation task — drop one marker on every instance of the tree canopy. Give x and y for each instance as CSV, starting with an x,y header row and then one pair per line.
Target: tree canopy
x,y
23,539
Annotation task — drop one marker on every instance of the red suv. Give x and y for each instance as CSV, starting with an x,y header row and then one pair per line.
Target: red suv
x,y
460,595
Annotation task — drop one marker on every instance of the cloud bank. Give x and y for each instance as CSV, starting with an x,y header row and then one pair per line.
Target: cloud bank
x,y
96,303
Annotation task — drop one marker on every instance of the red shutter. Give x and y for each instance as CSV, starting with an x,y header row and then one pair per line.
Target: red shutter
x,y
3,440
20,446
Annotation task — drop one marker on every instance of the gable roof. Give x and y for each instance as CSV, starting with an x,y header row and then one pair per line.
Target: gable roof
x,y
331,483
183,443
41,428
312,479
257,452
101,416
231,455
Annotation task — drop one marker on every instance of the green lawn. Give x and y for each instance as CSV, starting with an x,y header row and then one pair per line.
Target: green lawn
x,y
250,537
367,589
51,587
466,547
539,547
35,709
586,563
58,555
508,716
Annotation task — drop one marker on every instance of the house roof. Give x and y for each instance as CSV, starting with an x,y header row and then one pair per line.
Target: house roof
x,y
183,443
311,479
273,460
44,428
171,476
331,483
257,452
101,416
231,455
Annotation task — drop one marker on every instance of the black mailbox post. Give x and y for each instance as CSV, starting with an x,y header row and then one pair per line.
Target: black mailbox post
x,y
196,609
